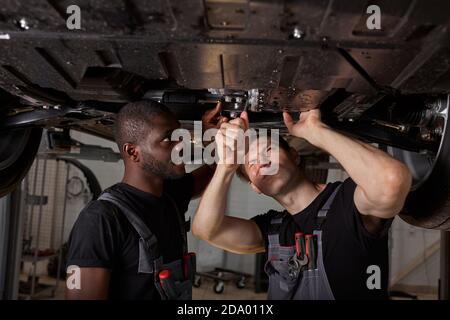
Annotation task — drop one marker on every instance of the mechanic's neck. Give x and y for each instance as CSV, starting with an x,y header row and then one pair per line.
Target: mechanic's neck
x,y
144,181
299,195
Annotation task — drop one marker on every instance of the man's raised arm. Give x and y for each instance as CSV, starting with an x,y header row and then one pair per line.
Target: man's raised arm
x,y
382,181
210,222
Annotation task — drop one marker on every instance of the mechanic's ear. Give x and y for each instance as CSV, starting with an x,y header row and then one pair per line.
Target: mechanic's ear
x,y
131,151
255,188
295,156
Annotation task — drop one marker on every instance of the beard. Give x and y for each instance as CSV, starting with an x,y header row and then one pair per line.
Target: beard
x,y
159,168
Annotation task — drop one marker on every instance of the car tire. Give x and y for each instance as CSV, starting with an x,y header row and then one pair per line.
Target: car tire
x,y
428,203
18,148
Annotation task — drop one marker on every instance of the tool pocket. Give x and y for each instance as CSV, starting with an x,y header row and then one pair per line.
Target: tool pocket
x,y
184,290
281,284
174,286
309,286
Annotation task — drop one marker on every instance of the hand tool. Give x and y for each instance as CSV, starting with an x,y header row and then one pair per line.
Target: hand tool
x,y
189,261
299,260
236,113
300,245
167,284
311,251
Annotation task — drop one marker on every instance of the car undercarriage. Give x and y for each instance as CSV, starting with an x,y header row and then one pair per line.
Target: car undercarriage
x,y
387,86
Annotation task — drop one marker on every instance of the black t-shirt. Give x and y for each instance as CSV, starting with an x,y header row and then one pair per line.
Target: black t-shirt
x,y
103,237
349,249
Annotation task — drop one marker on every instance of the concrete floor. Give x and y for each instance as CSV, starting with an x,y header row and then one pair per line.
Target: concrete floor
x,y
231,292
204,292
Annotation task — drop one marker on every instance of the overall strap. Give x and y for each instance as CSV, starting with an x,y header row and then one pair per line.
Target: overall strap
x,y
148,244
274,229
322,213
277,219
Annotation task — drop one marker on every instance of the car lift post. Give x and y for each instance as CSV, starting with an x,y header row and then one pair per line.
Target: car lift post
x,y
11,229
444,281
4,223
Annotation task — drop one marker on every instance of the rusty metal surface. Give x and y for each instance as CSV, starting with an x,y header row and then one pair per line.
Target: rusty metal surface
x,y
290,99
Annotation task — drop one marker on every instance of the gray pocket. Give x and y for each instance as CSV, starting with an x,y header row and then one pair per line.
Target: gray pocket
x,y
308,286
312,287
184,290
281,285
181,287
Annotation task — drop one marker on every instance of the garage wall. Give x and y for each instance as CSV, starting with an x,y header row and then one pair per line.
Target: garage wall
x,y
414,255
107,173
52,186
53,229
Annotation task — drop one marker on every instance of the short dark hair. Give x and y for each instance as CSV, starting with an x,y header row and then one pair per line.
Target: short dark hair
x,y
282,143
133,122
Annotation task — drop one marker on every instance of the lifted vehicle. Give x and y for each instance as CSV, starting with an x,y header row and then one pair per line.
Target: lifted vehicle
x,y
388,86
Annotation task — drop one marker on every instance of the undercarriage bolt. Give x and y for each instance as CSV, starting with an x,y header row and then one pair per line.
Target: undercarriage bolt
x,y
438,131
425,134
297,33
23,24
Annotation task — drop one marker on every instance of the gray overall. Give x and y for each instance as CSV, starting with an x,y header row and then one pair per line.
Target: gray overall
x,y
308,284
150,260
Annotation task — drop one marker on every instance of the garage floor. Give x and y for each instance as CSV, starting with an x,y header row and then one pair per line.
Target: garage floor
x,y
231,292
205,292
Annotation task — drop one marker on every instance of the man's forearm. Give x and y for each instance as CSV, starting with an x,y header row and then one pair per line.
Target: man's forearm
x,y
373,170
382,182
211,210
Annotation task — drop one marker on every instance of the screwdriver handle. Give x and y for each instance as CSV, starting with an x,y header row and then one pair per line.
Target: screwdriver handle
x,y
300,244
168,286
190,266
311,251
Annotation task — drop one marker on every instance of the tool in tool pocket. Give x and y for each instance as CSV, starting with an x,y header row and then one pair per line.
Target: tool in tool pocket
x,y
167,284
311,251
299,260
189,264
